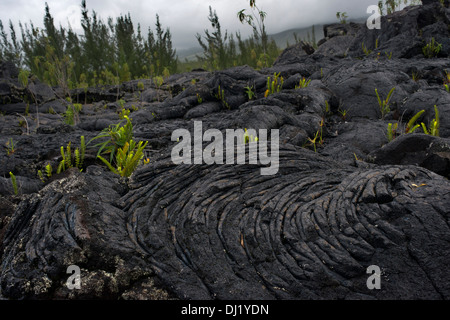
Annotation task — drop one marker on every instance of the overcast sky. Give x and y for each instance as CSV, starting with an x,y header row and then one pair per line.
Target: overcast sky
x,y
186,17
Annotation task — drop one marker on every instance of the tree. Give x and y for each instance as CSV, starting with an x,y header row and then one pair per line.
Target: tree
x,y
259,28
218,54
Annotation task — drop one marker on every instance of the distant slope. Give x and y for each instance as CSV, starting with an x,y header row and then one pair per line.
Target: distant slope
x,y
282,39
287,36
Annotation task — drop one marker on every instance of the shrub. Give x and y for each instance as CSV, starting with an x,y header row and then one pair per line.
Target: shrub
x,y
127,158
432,49
117,136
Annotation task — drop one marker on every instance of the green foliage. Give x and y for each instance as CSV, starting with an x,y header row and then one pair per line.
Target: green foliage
x,y
342,17
127,159
11,147
384,103
249,138
318,138
303,83
220,95
432,49
434,126
71,116
412,126
392,131
365,50
68,160
256,20
390,6
48,170
14,183
218,50
116,137
274,84
447,81
199,99
250,93
23,77
102,53
124,113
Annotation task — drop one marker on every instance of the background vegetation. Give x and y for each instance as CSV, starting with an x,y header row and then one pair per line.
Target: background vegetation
x,y
115,51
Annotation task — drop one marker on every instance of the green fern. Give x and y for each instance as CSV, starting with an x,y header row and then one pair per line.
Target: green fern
x,y
392,131
411,126
48,170
127,159
116,135
434,126
14,183
384,104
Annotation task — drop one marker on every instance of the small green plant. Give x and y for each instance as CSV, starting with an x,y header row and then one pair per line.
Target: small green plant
x,y
432,49
327,108
384,103
14,183
250,93
127,159
434,126
415,76
342,17
67,157
140,86
392,131
318,138
343,113
220,95
388,55
116,137
23,80
124,112
447,81
10,147
365,50
249,138
71,116
158,81
274,84
303,83
41,176
411,126
199,99
48,170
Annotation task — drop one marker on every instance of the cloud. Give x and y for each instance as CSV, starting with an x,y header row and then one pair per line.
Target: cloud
x,y
185,18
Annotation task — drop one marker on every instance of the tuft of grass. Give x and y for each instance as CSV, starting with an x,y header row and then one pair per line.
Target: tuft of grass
x,y
384,103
